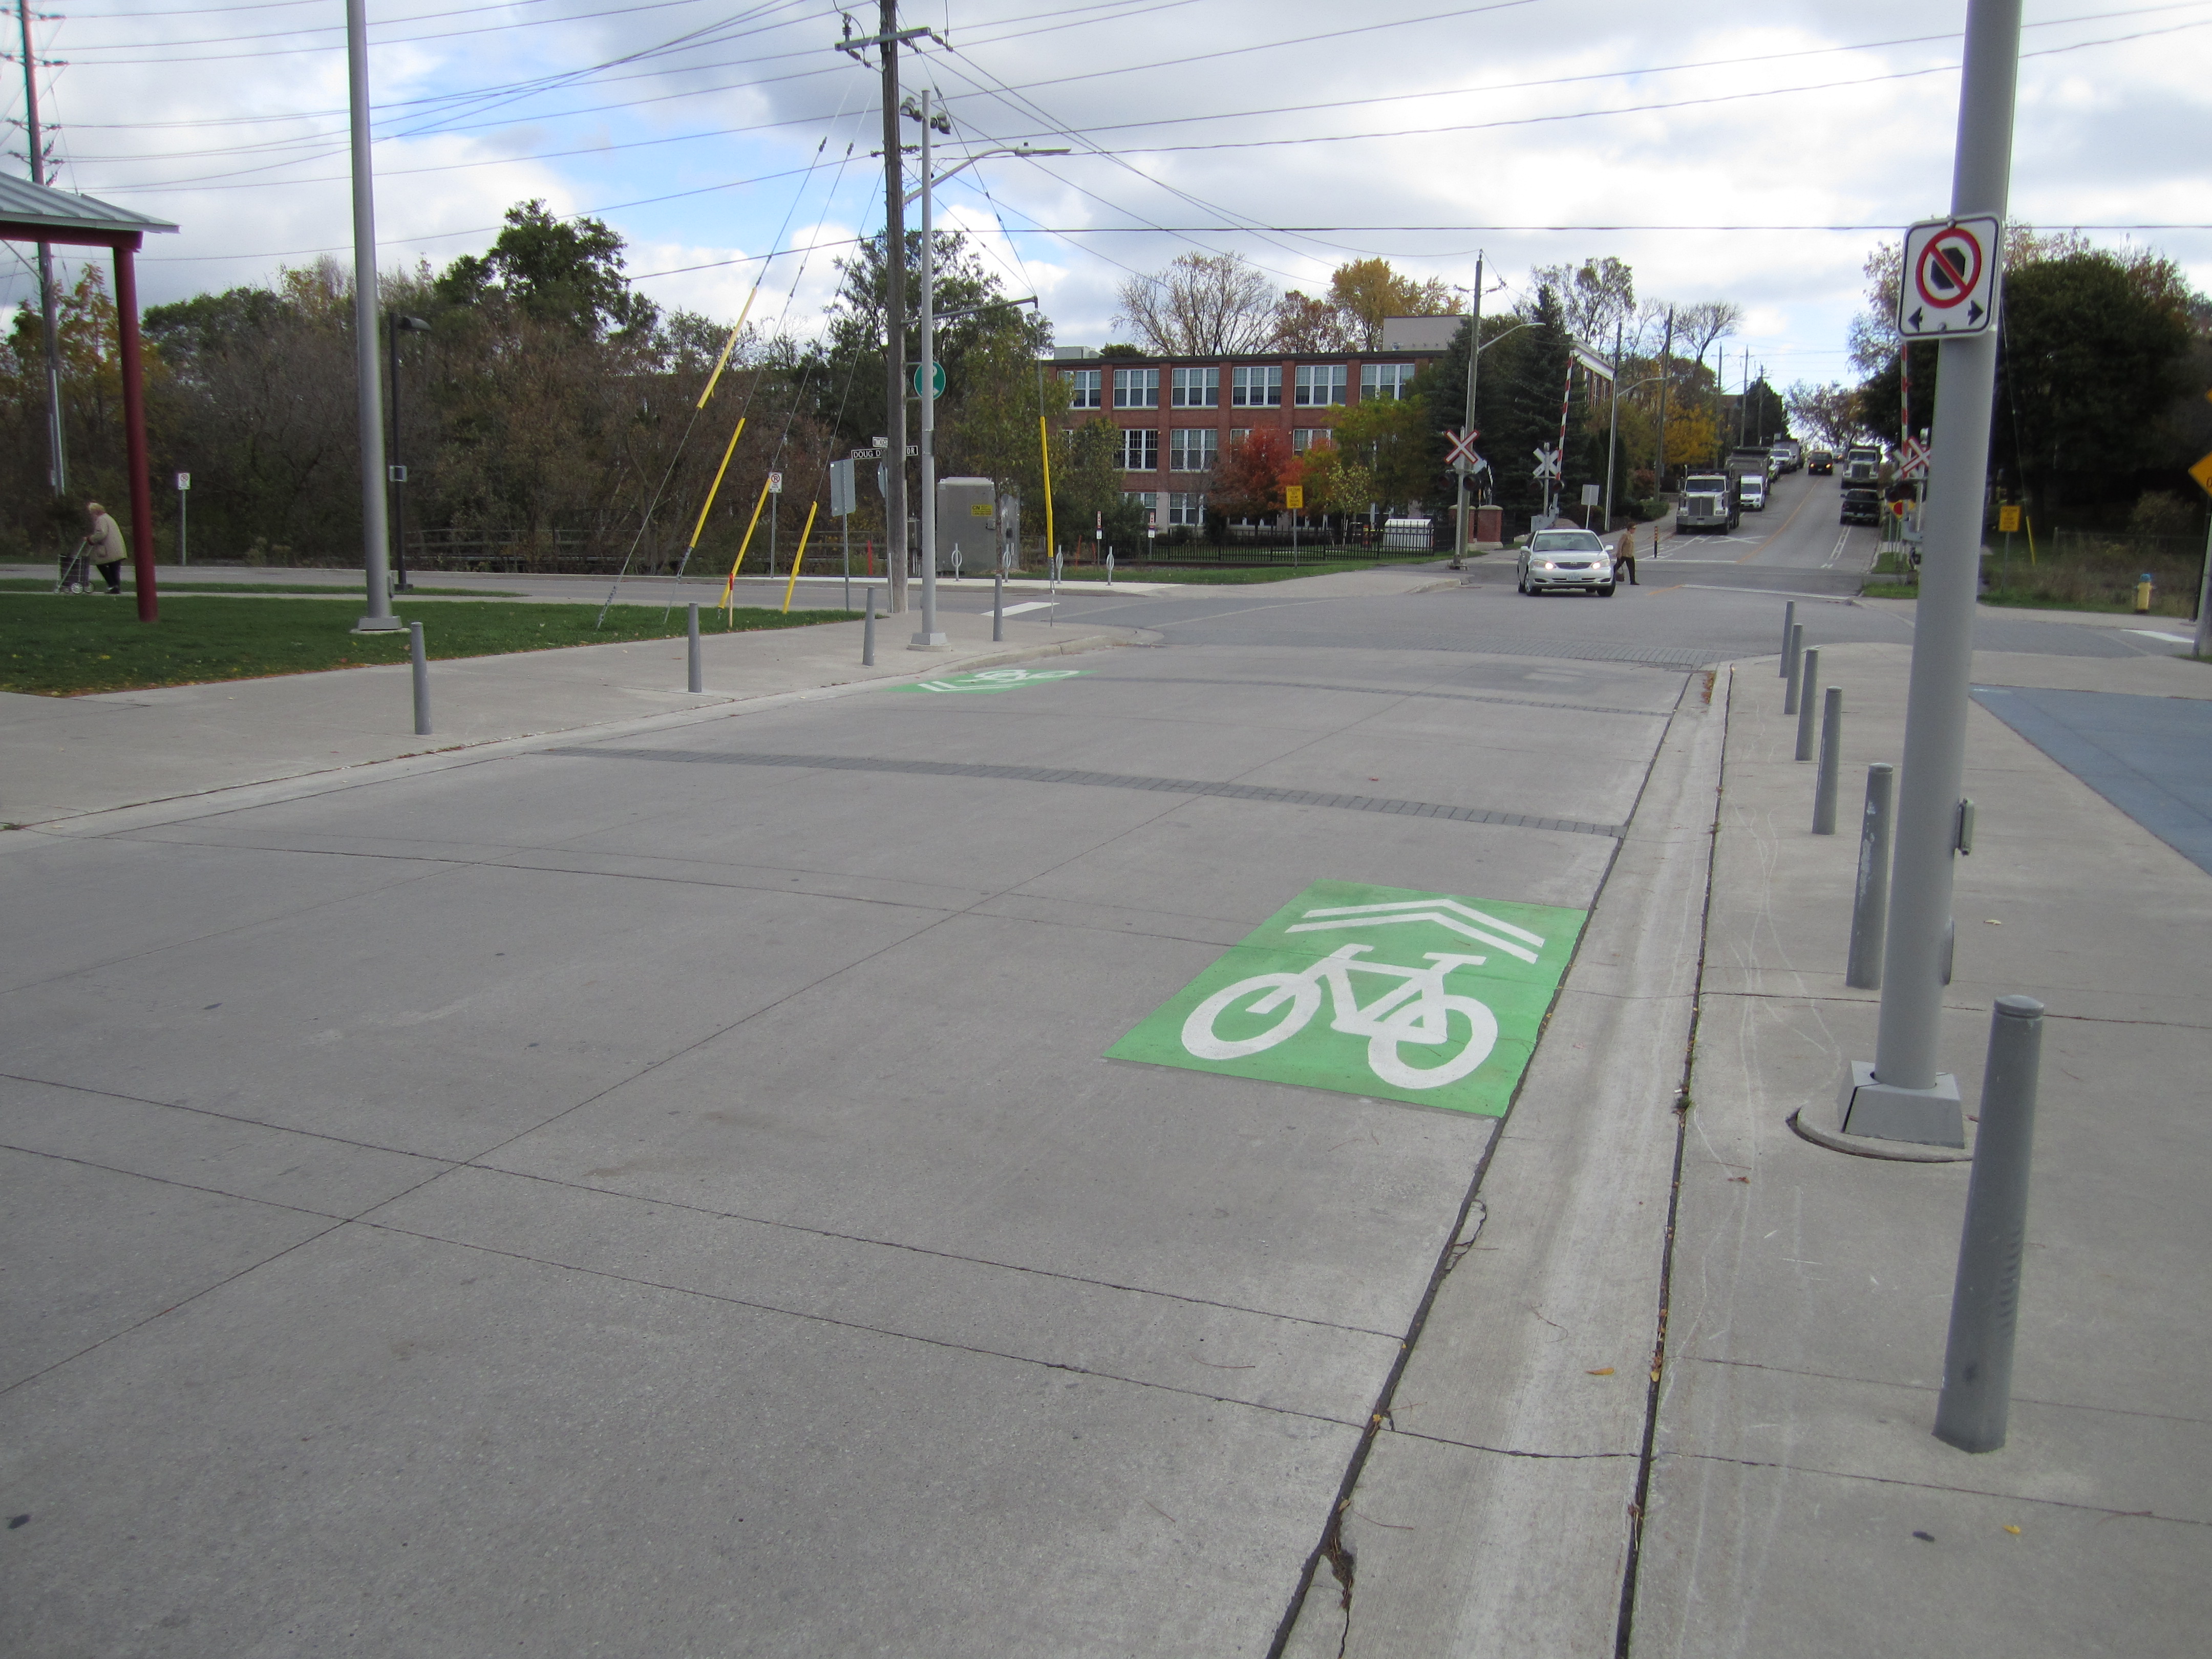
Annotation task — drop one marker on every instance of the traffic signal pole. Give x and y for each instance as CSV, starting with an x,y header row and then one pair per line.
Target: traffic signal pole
x,y
1905,1091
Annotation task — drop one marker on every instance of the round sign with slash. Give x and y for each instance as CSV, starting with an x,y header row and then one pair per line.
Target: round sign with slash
x,y
1949,277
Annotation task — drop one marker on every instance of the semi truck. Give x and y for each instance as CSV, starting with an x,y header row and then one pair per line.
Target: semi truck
x,y
1708,504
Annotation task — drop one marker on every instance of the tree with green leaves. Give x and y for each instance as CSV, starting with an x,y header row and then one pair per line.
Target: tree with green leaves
x,y
554,271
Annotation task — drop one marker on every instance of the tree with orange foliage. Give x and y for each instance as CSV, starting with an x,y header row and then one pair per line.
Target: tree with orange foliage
x,y
1248,480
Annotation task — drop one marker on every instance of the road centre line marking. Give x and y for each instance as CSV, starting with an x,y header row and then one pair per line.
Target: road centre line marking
x,y
1101,780
1779,529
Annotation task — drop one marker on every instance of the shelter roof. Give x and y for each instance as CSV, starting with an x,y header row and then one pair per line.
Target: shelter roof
x,y
63,211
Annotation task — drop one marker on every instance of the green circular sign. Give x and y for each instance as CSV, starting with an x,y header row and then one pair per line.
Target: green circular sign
x,y
938,377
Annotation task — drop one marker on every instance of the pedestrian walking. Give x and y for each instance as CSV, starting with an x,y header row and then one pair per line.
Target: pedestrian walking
x,y
1624,556
104,546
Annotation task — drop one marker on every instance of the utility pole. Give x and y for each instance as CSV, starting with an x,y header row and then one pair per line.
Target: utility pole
x,y
57,474
887,44
1461,542
1666,374
928,638
1903,1086
375,533
1612,428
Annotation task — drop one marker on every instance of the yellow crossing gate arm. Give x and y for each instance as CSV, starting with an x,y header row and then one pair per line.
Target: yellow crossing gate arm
x,y
708,506
1044,447
800,558
730,587
730,344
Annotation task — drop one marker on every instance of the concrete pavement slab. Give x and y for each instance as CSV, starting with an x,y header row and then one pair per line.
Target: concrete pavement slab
x,y
95,1253
402,1446
204,1150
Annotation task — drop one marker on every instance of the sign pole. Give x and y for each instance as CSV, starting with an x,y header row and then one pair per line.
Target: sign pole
x,y
1463,542
929,639
1904,1091
184,500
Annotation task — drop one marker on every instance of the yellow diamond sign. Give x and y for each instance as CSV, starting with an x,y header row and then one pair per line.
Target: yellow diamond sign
x,y
2203,473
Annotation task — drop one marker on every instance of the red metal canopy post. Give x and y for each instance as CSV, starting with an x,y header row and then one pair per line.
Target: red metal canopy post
x,y
134,427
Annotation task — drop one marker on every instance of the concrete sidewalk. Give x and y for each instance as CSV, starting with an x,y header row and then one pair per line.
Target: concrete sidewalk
x,y
1797,1502
62,757
1673,1394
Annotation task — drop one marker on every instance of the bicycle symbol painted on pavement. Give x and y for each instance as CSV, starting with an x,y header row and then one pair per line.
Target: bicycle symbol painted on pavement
x,y
1448,1026
994,679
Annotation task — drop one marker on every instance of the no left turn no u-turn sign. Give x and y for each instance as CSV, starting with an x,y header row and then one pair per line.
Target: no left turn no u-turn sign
x,y
1949,277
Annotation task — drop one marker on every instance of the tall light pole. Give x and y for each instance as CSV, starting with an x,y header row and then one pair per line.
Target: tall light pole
x,y
58,471
1903,1090
1613,421
375,533
398,326
1460,539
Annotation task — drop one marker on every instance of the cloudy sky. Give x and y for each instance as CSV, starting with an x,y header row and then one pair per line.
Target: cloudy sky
x,y
1755,155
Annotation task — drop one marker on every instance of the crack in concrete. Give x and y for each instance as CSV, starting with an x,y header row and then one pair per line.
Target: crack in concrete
x,y
2102,1511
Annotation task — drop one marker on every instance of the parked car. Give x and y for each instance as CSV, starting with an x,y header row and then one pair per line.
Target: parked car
x,y
1569,559
1820,461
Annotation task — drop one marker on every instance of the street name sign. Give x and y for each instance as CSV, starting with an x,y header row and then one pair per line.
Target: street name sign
x,y
1426,998
1949,281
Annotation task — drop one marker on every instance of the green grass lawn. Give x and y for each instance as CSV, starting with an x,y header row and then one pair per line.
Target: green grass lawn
x,y
163,585
60,645
2024,599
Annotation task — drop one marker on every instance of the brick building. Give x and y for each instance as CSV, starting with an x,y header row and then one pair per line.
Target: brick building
x,y
1178,415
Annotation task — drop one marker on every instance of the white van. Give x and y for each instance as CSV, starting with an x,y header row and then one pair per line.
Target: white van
x,y
1751,491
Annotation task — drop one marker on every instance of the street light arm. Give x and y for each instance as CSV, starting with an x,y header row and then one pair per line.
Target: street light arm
x,y
1495,339
1019,151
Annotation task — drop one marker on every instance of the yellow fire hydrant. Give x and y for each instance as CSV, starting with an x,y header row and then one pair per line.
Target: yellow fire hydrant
x,y
2143,595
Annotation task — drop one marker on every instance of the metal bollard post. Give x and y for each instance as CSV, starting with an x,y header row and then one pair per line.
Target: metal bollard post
x,y
695,677
999,607
1870,903
421,679
868,634
1985,1297
1831,760
1809,687
1794,666
1110,567
1788,622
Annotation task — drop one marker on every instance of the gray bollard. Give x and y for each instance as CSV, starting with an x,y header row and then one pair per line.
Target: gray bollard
x,y
999,607
1809,687
1870,903
1788,622
1985,1297
421,679
695,677
1831,760
868,634
1110,567
1792,666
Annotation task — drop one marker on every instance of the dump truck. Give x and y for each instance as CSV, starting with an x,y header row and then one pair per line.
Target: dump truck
x,y
1709,503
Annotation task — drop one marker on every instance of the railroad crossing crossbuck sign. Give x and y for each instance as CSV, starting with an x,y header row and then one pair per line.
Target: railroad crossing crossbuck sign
x,y
1461,456
1547,463
1950,278
1912,460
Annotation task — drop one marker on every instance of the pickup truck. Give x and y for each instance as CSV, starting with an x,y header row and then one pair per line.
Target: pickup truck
x,y
1789,454
1862,502
1709,503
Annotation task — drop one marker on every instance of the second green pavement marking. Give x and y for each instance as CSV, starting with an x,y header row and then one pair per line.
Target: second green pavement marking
x,y
994,679
1431,997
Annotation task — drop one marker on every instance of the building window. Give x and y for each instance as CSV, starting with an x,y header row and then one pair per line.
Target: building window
x,y
1238,434
1147,499
1196,388
1194,448
1257,387
1140,449
1188,509
1321,384
1389,381
1136,388
1304,438
1083,391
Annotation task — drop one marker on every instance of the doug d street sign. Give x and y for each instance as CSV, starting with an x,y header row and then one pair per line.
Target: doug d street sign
x,y
1950,278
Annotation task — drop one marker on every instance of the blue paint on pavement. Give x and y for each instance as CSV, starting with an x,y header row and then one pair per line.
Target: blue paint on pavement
x,y
2149,757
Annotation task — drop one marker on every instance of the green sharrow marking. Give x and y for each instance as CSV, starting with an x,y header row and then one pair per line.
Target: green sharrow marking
x,y
994,679
1375,991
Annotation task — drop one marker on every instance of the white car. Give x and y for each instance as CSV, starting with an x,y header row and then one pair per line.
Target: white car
x,y
1570,559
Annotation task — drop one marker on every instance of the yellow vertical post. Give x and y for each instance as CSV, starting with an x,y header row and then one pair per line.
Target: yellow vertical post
x,y
1045,448
2029,524
800,557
